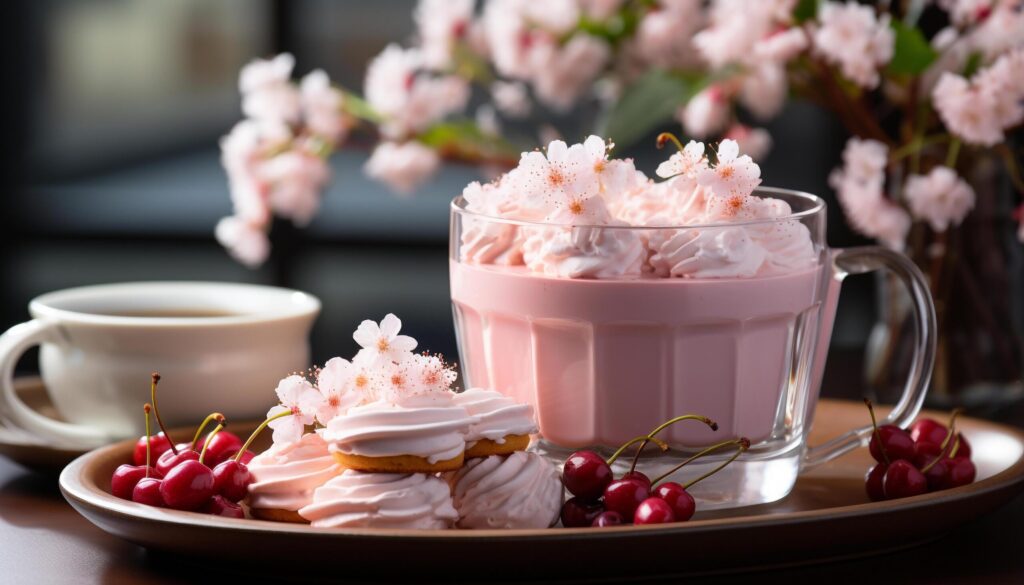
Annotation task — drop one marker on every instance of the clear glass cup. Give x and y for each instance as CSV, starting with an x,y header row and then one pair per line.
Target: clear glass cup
x,y
606,359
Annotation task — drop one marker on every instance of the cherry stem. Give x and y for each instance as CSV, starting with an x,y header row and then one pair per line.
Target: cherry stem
x,y
874,427
155,378
213,416
666,424
742,445
955,449
665,137
145,408
206,445
662,444
259,429
945,447
698,455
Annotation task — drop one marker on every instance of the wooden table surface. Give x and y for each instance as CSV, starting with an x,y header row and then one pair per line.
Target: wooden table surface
x,y
43,540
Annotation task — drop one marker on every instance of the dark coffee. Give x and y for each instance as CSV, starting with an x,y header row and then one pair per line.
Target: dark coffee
x,y
169,313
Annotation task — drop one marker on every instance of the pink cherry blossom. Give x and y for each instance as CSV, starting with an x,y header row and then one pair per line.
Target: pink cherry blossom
x,y
851,36
689,161
1000,31
706,113
1018,214
296,180
859,186
267,90
967,111
600,9
429,374
442,24
556,16
322,107
756,142
335,382
941,197
299,397
764,90
864,160
242,152
732,175
781,45
558,179
562,72
511,98
966,12
664,36
381,342
736,26
245,241
403,167
410,101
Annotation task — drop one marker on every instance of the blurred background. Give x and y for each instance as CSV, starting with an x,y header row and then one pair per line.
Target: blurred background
x,y
111,167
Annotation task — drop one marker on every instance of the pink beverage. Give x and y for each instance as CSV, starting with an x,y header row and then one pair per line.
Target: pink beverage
x,y
610,330
604,361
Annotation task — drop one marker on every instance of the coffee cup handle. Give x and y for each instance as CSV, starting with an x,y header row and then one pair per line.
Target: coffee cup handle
x,y
868,259
13,344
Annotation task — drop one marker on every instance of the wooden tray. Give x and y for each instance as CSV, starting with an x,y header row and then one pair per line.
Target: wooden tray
x,y
826,517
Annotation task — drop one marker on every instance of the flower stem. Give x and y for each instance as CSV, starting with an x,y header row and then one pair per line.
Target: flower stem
x,y
259,429
953,153
667,136
666,424
199,430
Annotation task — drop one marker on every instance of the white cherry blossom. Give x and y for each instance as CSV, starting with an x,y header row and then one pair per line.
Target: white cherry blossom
x,y
706,113
442,24
556,177
756,142
296,179
511,98
267,90
851,36
336,383
733,175
245,241
382,343
300,398
688,161
322,107
967,111
429,374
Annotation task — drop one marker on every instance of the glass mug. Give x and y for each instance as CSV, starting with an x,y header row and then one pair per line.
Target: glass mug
x,y
606,360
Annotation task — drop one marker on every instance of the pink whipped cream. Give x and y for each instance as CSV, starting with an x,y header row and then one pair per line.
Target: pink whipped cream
x,y
499,415
522,490
285,476
432,427
382,500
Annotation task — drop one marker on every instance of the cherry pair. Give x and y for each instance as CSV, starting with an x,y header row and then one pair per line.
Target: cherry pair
x,y
601,500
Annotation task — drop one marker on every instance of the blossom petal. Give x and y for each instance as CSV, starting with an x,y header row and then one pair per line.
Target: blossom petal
x,y
288,389
367,334
728,150
390,325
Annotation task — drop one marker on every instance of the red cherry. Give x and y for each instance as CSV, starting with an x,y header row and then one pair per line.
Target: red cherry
x,y
682,503
895,442
624,495
961,471
903,480
638,475
927,430
125,477
653,511
577,512
231,479
159,443
147,491
586,475
169,460
964,450
937,475
222,446
873,482
246,457
187,486
607,518
221,506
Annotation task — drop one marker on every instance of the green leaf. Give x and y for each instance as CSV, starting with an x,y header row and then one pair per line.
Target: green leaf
x,y
360,108
463,140
805,10
911,52
973,64
646,104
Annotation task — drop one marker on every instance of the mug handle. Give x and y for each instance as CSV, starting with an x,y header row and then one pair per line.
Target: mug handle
x,y
868,259
13,344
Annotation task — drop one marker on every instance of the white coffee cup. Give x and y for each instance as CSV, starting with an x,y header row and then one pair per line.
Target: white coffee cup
x,y
218,347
